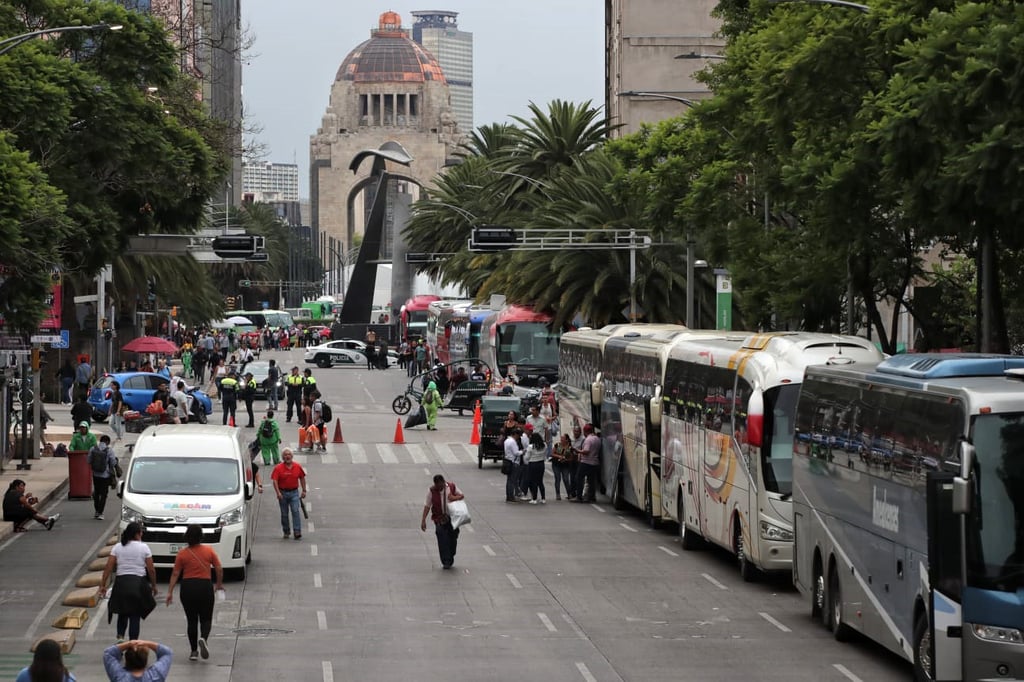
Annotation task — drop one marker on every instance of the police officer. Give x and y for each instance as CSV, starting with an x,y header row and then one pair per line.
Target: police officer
x,y
229,388
293,388
248,395
309,384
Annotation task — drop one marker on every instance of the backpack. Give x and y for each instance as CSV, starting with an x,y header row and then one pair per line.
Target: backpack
x,y
325,411
428,398
98,461
267,429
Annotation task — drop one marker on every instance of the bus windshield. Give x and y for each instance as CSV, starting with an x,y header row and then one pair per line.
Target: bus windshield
x,y
995,542
527,343
777,452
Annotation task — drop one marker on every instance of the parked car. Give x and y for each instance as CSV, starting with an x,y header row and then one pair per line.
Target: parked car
x,y
137,390
343,352
260,371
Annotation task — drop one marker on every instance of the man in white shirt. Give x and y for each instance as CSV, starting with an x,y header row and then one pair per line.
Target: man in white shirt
x,y
514,456
180,413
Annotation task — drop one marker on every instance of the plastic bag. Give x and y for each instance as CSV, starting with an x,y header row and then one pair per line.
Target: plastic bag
x,y
416,418
458,512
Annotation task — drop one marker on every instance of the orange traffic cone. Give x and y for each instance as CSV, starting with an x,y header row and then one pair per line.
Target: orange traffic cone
x,y
231,420
474,439
302,437
337,431
399,438
477,418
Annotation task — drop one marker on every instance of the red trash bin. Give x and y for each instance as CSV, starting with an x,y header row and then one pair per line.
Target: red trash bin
x,y
79,474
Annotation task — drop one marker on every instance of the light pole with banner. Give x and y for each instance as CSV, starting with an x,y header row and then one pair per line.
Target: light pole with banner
x,y
723,299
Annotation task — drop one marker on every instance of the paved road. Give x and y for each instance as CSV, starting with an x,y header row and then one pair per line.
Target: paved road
x,y
559,593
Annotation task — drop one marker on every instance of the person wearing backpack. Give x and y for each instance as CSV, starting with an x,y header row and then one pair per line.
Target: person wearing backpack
x,y
102,463
269,437
321,416
431,401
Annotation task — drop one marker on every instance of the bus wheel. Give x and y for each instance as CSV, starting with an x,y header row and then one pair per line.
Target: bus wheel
x,y
747,570
688,540
922,650
839,629
818,596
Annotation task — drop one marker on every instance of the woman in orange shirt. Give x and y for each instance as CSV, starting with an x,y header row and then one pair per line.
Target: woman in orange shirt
x,y
193,565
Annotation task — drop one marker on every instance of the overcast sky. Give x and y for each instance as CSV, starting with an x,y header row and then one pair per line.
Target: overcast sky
x,y
523,51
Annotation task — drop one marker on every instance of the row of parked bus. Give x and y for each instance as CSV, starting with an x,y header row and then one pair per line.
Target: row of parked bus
x,y
891,489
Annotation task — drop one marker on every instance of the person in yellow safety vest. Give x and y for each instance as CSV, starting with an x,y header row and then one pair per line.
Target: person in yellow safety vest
x,y
248,395
293,387
229,387
310,383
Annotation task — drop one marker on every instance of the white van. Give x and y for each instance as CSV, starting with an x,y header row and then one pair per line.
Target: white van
x,y
192,473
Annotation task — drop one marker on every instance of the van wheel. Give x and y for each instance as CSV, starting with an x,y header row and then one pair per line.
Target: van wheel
x,y
923,671
839,629
248,557
747,570
235,573
688,539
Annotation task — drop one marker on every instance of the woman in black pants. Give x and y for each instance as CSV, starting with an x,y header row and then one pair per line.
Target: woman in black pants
x,y
193,565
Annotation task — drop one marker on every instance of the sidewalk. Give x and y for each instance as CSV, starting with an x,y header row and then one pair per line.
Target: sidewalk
x,y
48,477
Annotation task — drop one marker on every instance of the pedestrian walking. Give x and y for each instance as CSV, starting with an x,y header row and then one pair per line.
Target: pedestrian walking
x,y
83,439
273,375
66,374
102,462
135,665
132,598
431,402
47,665
193,565
436,504
269,437
117,410
83,376
81,411
289,480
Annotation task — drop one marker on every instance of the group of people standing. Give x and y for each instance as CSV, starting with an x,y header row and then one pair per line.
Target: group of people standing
x,y
574,461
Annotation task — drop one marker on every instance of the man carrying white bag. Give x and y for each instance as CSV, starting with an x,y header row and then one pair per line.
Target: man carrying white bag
x,y
447,508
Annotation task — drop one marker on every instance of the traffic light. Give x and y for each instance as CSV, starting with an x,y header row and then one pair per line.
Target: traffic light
x,y
240,246
492,238
229,302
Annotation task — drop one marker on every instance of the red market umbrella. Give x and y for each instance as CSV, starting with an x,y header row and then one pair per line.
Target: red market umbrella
x,y
149,344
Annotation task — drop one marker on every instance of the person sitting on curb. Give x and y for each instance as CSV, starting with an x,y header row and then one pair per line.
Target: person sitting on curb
x,y
19,508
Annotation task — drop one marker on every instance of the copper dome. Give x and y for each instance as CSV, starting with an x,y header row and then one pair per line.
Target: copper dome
x,y
390,56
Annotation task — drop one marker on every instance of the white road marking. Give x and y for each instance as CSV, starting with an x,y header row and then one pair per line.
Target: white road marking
x,y
515,583
596,506
387,453
487,548
573,626
471,452
547,622
313,551
318,580
357,453
629,528
309,524
445,453
328,671
774,622
668,551
321,620
328,459
582,667
300,459
415,450
713,581
850,676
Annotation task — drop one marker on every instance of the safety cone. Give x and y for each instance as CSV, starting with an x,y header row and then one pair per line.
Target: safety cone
x,y
231,420
477,418
474,439
399,438
302,437
337,431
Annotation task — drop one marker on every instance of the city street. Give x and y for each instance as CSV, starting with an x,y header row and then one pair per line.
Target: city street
x,y
555,593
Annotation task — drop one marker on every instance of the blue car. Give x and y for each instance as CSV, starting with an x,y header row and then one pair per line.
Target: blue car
x,y
137,390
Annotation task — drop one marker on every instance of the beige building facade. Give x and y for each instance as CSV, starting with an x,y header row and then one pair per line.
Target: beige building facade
x,y
642,40
388,88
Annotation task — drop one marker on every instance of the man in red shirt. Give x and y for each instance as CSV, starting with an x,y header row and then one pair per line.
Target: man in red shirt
x,y
288,478
436,504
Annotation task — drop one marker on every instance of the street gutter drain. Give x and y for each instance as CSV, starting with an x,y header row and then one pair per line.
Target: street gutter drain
x,y
261,632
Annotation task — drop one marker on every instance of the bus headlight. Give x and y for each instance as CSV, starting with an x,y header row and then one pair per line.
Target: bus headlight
x,y
993,633
770,531
230,517
129,515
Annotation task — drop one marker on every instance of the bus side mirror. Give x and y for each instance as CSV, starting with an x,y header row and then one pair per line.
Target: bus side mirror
x,y
597,391
755,419
656,407
962,483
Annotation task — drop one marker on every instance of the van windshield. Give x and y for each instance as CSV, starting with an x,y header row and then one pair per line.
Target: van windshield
x,y
184,476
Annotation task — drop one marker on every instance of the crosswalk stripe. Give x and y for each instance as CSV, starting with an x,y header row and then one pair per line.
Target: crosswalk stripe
x,y
445,453
358,453
387,453
329,459
470,450
416,451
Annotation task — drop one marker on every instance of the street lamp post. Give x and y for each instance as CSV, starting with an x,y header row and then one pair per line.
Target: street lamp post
x,y
12,42
659,95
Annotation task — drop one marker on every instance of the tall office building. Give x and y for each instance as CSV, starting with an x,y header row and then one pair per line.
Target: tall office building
x,y
268,182
438,32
